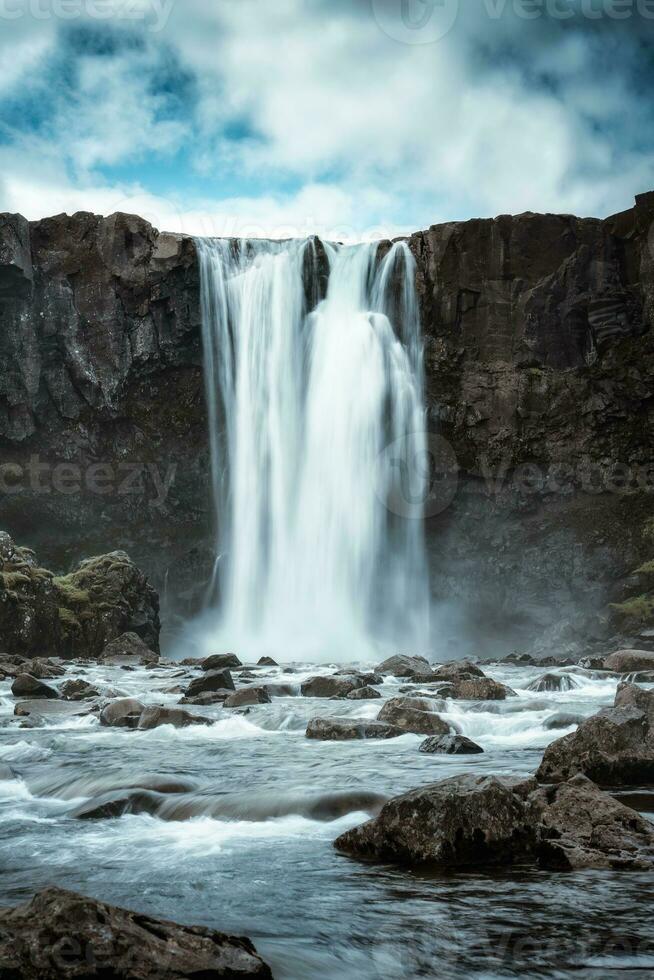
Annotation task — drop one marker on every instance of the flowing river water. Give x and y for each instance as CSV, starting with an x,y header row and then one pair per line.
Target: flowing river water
x,y
247,846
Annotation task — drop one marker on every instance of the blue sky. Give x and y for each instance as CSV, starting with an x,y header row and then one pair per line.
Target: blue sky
x,y
351,119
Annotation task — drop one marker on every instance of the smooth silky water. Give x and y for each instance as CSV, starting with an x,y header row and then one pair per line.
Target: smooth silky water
x,y
313,367
248,848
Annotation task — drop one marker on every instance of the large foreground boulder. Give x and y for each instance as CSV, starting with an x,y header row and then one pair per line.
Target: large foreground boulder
x,y
481,821
613,748
415,715
629,661
60,935
75,615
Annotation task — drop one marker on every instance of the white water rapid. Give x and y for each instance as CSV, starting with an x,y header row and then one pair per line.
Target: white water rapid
x,y
317,431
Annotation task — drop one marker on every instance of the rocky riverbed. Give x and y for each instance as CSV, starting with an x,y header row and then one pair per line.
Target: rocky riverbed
x,y
133,781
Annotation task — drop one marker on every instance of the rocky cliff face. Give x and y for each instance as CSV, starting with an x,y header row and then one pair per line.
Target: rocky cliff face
x,y
539,358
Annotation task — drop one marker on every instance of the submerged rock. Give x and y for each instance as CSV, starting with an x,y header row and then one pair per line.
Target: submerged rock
x,y
349,729
613,748
218,661
26,686
248,696
211,680
122,714
60,935
553,682
154,716
478,821
413,715
562,720
450,745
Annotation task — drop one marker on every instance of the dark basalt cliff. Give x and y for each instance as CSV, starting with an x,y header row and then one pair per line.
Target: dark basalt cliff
x,y
539,356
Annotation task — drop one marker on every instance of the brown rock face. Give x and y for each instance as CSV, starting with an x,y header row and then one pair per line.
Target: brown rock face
x,y
613,748
63,936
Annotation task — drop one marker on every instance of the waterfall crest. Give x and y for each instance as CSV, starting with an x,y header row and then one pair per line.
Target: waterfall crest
x,y
316,416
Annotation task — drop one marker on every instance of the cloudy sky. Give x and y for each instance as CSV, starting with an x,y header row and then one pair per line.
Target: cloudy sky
x,y
353,118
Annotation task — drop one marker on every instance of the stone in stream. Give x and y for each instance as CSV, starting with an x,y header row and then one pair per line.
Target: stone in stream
x,y
60,935
457,669
208,698
43,669
211,680
116,803
248,696
267,662
26,686
479,689
78,690
613,748
218,661
44,709
330,686
402,666
154,716
349,729
629,661
479,821
7,774
129,650
363,694
553,682
122,714
450,745
413,715
562,720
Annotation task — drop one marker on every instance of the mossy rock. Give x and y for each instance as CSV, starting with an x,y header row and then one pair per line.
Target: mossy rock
x,y
638,611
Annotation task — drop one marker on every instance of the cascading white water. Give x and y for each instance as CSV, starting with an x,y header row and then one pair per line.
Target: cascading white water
x,y
313,416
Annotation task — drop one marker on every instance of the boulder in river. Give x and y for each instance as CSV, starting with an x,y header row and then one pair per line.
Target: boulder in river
x,y
478,821
60,935
330,686
122,714
457,669
26,686
43,669
363,694
450,745
553,682
629,661
267,662
129,650
154,716
413,715
78,690
349,729
248,696
211,680
478,689
562,719
208,698
402,666
218,661
613,748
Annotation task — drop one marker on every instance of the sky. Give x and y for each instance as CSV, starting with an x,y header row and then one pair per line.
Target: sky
x,y
348,118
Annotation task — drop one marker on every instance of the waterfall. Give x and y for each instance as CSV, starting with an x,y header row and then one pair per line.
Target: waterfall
x,y
316,420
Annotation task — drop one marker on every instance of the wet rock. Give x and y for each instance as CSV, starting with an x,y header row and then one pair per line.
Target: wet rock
x,y
553,682
43,669
364,679
208,698
154,716
283,690
210,681
629,661
78,690
350,729
122,714
478,689
613,748
129,650
562,719
248,696
26,686
267,662
7,774
401,666
40,711
582,827
450,745
592,663
363,694
116,803
218,661
413,715
465,821
100,941
329,686
460,668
